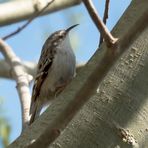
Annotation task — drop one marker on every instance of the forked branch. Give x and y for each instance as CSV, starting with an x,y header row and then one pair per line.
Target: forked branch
x,y
105,33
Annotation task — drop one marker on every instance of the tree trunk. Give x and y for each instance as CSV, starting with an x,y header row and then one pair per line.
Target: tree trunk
x,y
116,115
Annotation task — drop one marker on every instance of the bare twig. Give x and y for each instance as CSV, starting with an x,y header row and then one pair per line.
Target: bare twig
x,y
27,23
110,40
22,79
105,17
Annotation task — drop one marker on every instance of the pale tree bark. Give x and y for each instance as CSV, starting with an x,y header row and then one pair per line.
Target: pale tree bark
x,y
22,80
116,114
28,8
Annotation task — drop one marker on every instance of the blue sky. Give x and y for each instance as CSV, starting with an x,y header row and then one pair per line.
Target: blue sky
x,y
27,45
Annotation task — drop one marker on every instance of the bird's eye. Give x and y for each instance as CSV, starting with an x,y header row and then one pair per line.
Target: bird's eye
x,y
61,36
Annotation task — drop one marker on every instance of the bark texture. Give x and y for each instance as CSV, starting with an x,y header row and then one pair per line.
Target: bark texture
x,y
116,115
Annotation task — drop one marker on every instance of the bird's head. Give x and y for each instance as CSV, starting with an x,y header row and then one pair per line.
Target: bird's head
x,y
59,36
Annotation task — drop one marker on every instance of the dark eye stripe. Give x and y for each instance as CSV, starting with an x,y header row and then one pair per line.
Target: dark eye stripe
x,y
61,36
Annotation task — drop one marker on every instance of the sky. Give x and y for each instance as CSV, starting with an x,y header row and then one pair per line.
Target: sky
x,y
28,44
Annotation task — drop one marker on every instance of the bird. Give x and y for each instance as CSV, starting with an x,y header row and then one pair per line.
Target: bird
x,y
55,70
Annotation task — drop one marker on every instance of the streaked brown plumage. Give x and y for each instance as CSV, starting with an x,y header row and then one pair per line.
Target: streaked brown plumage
x,y
56,68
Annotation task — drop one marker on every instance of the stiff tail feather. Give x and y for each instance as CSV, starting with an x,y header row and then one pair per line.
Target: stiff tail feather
x,y
35,112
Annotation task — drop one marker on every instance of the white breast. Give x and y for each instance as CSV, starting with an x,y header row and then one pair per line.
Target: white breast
x,y
62,69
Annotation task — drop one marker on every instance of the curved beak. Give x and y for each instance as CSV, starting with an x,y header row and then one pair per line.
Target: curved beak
x,y
70,28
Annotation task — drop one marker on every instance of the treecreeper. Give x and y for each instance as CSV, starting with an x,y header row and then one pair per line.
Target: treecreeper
x,y
56,68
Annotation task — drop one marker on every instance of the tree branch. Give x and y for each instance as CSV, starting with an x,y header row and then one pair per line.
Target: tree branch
x,y
29,67
105,33
105,17
46,129
21,77
28,22
11,13
5,69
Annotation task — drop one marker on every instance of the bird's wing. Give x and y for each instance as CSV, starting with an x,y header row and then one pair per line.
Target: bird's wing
x,y
44,65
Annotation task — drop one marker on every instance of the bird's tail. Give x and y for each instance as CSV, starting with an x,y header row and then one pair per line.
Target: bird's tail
x,y
35,112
